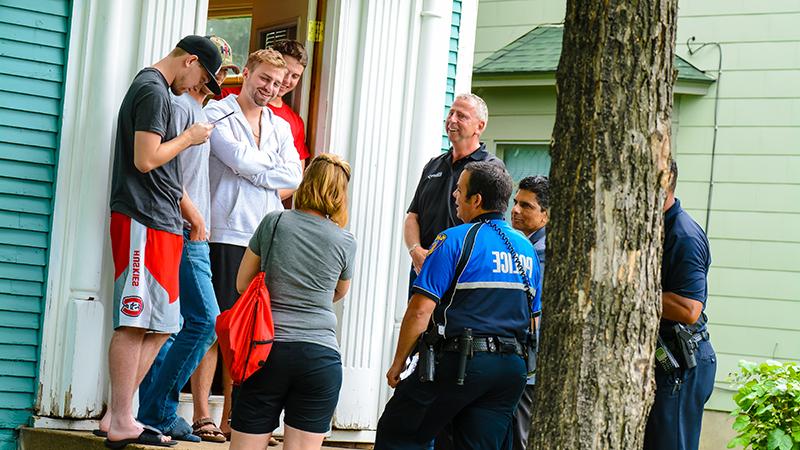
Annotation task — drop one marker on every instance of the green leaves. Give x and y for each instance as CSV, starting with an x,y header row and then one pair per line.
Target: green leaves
x,y
768,406
778,439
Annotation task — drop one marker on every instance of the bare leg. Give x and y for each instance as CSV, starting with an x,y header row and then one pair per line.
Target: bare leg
x,y
149,346
227,391
124,360
294,439
201,384
246,441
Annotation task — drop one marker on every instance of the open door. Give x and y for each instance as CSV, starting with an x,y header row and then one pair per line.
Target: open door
x,y
273,20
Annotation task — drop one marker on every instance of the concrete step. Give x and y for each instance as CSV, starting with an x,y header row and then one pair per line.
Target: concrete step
x,y
47,439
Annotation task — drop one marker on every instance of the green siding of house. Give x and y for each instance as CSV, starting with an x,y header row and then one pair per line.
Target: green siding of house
x,y
500,22
754,282
519,114
33,46
754,225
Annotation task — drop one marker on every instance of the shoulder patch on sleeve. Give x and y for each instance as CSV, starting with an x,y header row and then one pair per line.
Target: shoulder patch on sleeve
x,y
437,242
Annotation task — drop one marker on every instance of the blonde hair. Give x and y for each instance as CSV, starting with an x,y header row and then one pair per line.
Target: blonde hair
x,y
324,188
268,56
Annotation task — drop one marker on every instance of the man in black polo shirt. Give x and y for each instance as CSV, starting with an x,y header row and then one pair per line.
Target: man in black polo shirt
x,y
433,208
674,422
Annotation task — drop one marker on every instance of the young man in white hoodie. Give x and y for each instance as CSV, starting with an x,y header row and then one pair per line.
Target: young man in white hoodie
x,y
252,158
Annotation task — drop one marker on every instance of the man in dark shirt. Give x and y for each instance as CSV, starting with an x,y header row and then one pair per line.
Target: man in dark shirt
x,y
530,215
433,209
674,422
146,225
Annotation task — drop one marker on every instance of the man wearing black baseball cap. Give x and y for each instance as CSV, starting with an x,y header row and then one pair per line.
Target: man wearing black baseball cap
x,y
147,228
207,54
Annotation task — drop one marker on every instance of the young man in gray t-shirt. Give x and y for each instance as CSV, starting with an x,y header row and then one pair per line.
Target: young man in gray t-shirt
x,y
146,225
179,357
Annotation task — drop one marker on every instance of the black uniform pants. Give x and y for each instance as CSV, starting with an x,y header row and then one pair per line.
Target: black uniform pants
x,y
674,422
480,410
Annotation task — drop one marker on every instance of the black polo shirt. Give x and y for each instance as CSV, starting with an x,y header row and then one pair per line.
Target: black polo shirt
x,y
433,201
685,262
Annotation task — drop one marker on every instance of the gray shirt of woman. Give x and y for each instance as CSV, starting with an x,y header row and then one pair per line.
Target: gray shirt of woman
x,y
309,255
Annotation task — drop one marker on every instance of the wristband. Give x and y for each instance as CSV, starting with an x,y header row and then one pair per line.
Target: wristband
x,y
411,249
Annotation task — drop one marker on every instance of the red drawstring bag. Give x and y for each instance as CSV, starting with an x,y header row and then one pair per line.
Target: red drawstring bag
x,y
245,332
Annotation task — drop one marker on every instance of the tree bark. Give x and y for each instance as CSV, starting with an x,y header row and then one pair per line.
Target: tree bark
x,y
610,155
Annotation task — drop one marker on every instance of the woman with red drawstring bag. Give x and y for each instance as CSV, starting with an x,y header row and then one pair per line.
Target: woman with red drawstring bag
x,y
245,332
304,257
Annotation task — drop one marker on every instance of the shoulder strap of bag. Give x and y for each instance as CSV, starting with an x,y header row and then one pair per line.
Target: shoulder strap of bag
x,y
272,238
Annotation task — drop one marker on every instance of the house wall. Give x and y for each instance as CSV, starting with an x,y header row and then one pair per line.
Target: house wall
x,y
754,227
500,22
33,39
519,114
452,66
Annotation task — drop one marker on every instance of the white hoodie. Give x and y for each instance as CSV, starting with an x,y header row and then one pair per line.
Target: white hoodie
x,y
245,177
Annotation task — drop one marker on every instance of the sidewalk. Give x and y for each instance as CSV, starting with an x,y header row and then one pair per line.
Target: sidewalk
x,y
46,439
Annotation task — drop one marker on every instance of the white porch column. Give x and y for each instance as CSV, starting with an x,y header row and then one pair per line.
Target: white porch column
x,y
384,113
110,41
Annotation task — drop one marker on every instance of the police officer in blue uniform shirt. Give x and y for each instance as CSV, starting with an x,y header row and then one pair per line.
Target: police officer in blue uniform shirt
x,y
681,393
481,294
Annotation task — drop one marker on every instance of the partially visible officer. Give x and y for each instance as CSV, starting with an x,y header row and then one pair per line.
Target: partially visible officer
x,y
481,294
530,215
433,209
681,392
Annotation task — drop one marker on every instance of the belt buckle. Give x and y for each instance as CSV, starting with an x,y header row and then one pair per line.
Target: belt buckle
x,y
490,344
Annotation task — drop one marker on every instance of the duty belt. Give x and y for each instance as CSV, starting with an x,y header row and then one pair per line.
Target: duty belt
x,y
697,337
490,344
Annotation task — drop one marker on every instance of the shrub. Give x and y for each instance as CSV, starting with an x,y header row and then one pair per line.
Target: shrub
x,y
768,406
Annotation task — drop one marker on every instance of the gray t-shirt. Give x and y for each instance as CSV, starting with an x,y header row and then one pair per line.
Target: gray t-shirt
x,y
309,256
193,161
152,198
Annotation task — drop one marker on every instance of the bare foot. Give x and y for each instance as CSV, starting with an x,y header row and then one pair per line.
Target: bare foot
x,y
122,428
105,422
225,427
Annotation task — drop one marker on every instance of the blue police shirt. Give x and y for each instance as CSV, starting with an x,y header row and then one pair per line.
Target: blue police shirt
x,y
489,297
685,261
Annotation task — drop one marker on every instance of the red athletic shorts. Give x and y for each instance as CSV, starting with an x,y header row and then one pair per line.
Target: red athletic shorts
x,y
146,264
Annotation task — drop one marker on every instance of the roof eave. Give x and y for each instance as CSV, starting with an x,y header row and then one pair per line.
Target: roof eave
x,y
520,79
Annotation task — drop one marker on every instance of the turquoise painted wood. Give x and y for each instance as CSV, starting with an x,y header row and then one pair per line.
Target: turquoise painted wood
x,y
525,160
452,61
33,42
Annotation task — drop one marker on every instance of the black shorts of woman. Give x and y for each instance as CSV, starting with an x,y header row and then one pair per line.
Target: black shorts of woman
x,y
308,264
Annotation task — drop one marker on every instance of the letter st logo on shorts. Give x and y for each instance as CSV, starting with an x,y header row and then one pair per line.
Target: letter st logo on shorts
x,y
132,306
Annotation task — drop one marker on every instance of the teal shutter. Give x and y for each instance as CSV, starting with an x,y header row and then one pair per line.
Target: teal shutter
x,y
33,46
525,160
452,61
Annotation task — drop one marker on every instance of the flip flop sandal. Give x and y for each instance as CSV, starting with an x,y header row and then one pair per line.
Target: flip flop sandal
x,y
100,433
147,437
210,434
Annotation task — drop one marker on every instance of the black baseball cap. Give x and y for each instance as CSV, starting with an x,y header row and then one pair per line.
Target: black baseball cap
x,y
208,55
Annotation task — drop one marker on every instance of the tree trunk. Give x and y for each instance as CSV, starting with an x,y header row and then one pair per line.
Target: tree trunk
x,y
610,156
